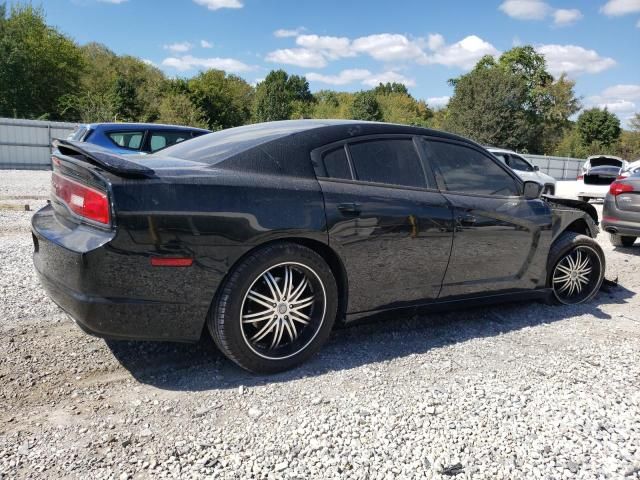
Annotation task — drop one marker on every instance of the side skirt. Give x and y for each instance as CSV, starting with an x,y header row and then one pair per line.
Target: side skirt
x,y
446,305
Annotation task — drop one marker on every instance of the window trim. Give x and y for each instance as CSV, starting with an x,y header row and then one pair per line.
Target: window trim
x,y
443,189
143,141
317,159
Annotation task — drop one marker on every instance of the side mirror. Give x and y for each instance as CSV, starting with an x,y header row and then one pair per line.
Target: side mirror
x,y
536,168
532,190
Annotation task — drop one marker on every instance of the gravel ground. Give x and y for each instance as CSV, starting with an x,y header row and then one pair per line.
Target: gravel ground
x,y
507,392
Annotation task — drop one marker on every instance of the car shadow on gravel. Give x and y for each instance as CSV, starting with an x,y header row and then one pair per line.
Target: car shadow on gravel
x,y
198,367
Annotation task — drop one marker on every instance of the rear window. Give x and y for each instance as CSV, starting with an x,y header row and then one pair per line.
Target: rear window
x,y
218,146
78,134
129,140
162,139
392,161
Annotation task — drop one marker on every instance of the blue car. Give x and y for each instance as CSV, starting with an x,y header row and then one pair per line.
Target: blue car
x,y
134,138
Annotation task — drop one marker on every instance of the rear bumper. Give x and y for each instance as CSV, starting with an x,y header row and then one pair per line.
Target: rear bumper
x,y
106,291
620,222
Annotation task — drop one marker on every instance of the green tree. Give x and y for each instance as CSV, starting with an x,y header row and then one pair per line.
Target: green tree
x,y
225,99
635,122
598,126
487,105
365,107
178,109
391,87
38,64
280,95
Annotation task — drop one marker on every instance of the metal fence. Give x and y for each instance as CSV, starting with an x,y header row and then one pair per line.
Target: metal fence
x,y
560,168
26,144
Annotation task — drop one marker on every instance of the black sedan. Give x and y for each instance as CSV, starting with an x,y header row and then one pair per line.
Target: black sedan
x,y
266,235
621,212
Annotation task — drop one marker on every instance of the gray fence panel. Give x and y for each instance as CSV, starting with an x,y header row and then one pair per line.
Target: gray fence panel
x,y
26,144
560,168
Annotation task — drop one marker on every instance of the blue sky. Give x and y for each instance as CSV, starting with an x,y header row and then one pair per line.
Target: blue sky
x,y
353,44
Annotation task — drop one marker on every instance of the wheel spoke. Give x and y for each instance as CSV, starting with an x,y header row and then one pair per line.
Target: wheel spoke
x,y
296,318
265,330
563,278
565,286
277,336
252,319
293,331
564,269
253,296
273,281
298,303
298,290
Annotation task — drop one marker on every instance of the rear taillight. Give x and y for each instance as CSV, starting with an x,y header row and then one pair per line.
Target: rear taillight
x,y
617,188
82,200
580,177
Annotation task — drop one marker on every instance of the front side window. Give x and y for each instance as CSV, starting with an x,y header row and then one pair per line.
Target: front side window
x,y
130,140
161,139
465,170
392,161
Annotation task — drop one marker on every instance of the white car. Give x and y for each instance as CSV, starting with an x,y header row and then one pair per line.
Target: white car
x,y
598,173
632,167
524,169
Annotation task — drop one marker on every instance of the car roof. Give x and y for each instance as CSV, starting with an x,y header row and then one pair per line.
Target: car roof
x,y
136,126
501,150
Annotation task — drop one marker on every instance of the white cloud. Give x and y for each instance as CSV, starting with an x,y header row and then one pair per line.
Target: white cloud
x,y
463,54
563,17
206,44
435,41
148,62
365,77
285,33
573,60
179,47
526,9
389,76
302,57
189,62
438,102
614,8
345,77
331,47
388,47
623,100
217,4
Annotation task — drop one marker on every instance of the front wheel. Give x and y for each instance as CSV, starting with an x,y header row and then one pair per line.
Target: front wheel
x,y
576,268
275,309
621,240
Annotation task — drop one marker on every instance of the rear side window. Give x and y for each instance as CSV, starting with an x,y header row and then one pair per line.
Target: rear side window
x,y
336,164
78,134
392,161
162,139
463,169
130,140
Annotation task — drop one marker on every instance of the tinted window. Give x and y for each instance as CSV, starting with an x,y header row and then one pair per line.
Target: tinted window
x,y
388,161
164,139
518,163
336,164
131,140
464,169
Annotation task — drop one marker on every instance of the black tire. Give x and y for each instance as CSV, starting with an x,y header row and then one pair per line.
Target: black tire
x,y
621,240
568,244
227,319
584,199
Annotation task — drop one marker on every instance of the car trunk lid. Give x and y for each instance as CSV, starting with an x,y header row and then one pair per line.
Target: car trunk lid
x,y
601,175
628,198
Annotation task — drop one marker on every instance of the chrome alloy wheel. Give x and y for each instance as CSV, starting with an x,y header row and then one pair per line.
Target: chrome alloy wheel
x,y
283,310
577,275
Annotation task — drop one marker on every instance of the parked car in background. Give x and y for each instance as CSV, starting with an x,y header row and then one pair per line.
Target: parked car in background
x,y
621,212
134,138
598,172
268,234
630,169
524,169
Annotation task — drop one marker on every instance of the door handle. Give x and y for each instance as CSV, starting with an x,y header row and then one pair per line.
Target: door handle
x,y
467,220
350,208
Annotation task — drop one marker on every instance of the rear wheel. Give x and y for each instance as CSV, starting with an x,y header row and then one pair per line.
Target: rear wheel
x,y
576,268
276,308
621,240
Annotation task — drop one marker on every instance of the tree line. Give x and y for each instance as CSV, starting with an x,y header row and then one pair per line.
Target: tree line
x,y
511,102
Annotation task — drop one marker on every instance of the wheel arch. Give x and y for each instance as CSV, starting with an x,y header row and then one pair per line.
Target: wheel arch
x,y
581,225
329,255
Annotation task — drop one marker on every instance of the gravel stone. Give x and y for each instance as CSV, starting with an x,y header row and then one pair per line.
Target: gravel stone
x,y
516,391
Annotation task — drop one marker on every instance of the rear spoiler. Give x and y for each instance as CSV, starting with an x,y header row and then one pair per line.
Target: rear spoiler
x,y
102,157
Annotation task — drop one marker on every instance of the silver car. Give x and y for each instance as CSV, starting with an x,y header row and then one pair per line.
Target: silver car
x,y
524,169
